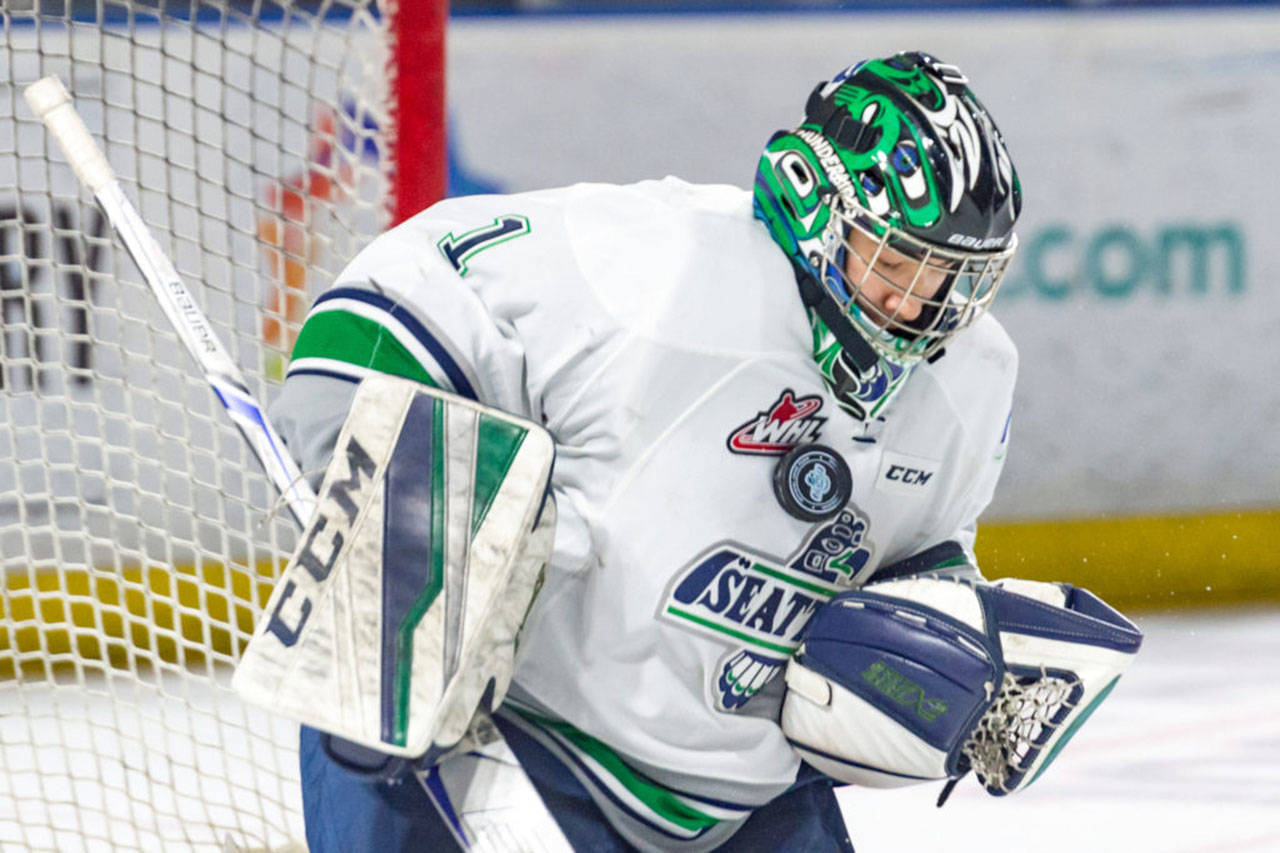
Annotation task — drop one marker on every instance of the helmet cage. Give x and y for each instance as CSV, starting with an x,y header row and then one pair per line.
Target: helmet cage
x,y
951,287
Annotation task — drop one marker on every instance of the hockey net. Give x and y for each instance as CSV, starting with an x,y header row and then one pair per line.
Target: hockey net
x,y
137,535
1007,740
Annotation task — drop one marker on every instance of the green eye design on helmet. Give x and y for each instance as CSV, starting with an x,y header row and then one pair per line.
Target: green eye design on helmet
x,y
895,200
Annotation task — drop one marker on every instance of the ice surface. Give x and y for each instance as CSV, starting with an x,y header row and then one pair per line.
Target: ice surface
x,y
1184,757
113,763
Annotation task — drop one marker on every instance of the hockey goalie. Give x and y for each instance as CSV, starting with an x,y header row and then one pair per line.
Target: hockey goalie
x,y
681,484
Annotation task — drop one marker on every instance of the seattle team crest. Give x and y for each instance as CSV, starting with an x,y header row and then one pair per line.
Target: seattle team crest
x,y
759,606
790,421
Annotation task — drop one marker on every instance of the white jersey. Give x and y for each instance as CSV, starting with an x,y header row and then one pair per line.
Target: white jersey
x,y
658,333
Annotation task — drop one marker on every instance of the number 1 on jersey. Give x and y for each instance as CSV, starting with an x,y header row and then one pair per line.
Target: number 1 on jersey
x,y
458,250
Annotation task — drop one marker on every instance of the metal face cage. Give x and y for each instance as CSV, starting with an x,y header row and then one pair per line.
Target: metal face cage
x,y
907,297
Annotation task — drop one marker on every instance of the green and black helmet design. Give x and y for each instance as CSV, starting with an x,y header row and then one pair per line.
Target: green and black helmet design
x,y
899,164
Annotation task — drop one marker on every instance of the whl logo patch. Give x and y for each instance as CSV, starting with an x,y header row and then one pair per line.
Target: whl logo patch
x,y
790,421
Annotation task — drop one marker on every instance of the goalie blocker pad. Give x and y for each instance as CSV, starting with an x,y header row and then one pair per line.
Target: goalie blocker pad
x,y
925,678
398,614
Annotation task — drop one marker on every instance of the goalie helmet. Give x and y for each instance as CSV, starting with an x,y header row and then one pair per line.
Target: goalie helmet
x,y
895,200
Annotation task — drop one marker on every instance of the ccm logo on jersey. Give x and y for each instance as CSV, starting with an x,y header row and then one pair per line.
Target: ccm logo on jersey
x,y
905,474
788,422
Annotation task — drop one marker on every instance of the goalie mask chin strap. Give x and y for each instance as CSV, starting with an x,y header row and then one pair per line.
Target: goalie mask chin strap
x,y
814,296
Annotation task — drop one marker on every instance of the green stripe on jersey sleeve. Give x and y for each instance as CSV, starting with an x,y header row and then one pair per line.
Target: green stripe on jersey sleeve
x,y
343,336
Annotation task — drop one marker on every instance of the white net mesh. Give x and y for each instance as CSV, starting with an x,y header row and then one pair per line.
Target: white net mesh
x,y
136,539
1025,714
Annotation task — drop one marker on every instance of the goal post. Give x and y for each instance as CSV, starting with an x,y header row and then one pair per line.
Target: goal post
x,y
418,83
265,144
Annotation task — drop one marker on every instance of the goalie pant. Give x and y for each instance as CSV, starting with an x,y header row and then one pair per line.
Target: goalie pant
x,y
368,812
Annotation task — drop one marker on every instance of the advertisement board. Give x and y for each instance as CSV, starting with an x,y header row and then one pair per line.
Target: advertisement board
x,y
1141,301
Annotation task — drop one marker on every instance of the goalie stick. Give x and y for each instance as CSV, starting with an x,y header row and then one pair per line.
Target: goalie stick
x,y
486,799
